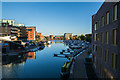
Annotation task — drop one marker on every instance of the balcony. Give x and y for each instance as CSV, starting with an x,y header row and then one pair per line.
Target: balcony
x,y
14,31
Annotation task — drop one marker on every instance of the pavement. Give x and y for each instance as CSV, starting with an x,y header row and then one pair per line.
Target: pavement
x,y
79,70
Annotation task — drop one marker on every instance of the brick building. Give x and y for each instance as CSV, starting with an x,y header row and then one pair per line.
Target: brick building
x,y
106,40
51,37
31,32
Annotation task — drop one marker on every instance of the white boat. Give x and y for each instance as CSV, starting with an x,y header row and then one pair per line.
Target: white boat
x,y
49,42
75,47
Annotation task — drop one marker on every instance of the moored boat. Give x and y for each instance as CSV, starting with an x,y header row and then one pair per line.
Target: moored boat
x,y
75,47
65,69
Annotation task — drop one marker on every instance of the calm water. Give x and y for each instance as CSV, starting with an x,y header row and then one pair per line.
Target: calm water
x,y
39,64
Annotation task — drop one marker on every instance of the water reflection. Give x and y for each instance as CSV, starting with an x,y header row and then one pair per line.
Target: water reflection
x,y
13,59
52,42
48,45
39,64
31,55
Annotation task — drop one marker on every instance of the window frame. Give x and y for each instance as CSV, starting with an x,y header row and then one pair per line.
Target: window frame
x,y
107,17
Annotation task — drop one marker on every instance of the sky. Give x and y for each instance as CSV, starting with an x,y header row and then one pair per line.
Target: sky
x,y
57,0
53,18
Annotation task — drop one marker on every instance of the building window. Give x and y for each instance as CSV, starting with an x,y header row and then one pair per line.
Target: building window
x,y
107,18
98,24
106,55
11,21
115,12
4,24
101,52
101,71
95,26
98,37
102,21
105,75
94,48
6,28
107,37
97,49
114,36
95,61
102,37
114,61
95,36
29,29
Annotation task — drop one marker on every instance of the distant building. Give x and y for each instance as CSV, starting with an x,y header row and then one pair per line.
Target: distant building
x,y
38,36
31,31
106,40
58,37
67,36
75,36
42,37
51,37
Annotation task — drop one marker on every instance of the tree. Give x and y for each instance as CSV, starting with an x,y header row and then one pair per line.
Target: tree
x,y
79,38
37,37
71,37
82,37
74,38
46,38
88,37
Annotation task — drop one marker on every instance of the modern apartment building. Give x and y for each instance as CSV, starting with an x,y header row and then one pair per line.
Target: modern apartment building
x,y
22,33
11,22
9,31
5,29
31,32
67,36
106,40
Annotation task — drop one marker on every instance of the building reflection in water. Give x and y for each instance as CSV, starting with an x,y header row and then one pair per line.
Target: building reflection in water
x,y
48,45
14,59
52,42
31,55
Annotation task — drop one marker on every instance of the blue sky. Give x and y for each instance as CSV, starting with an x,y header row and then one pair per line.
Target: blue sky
x,y
54,18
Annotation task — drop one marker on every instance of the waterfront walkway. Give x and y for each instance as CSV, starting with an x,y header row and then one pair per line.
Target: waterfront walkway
x,y
79,70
